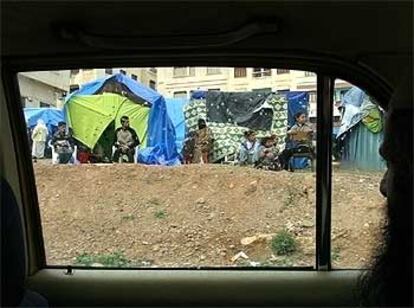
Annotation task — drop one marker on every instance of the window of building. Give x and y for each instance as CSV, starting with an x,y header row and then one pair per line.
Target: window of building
x,y
283,91
262,90
240,72
73,88
123,72
183,71
218,89
44,105
74,72
282,71
152,84
108,71
133,76
153,70
261,72
213,70
180,94
309,74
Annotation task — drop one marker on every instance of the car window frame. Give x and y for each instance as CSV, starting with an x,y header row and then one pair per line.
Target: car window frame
x,y
325,85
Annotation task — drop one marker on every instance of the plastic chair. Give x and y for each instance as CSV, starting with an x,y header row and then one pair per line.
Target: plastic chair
x,y
231,159
55,156
307,155
135,155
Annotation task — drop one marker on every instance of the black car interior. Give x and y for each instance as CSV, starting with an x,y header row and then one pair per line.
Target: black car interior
x,y
367,43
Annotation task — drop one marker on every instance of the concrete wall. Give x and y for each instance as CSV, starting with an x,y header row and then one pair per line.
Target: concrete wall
x,y
34,92
226,81
56,79
169,85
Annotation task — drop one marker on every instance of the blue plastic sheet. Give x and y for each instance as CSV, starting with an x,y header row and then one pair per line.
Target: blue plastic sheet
x,y
297,102
51,117
175,107
199,94
161,146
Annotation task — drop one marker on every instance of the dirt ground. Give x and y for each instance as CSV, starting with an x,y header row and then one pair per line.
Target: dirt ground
x,y
197,215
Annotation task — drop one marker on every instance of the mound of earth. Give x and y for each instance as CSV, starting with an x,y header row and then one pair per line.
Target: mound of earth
x,y
198,215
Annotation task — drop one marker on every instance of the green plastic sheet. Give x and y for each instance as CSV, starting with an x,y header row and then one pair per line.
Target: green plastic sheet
x,y
90,115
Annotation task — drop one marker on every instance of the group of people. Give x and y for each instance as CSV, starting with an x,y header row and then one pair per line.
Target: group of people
x,y
265,154
262,153
61,141
126,140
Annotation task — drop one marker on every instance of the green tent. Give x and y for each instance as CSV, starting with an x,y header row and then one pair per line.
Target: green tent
x,y
90,115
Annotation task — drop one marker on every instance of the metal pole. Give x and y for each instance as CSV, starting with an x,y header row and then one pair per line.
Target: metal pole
x,y
325,86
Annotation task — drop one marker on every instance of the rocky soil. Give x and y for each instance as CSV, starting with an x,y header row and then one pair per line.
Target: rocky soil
x,y
202,215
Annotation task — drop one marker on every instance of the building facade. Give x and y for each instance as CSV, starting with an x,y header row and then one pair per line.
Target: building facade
x,y
43,89
181,81
146,76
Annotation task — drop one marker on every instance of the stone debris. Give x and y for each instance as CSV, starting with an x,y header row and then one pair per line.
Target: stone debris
x,y
239,255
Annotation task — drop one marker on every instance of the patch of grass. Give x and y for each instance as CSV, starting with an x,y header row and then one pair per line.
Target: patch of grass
x,y
336,253
290,197
128,217
161,214
116,259
283,243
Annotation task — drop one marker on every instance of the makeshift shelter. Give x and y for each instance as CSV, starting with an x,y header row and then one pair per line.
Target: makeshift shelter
x,y
96,105
51,117
361,132
230,114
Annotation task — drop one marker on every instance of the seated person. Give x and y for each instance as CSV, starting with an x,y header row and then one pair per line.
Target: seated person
x,y
126,139
248,149
84,155
63,144
300,140
267,154
203,143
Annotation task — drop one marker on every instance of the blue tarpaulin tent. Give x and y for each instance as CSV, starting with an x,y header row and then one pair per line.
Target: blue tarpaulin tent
x,y
51,117
161,147
175,107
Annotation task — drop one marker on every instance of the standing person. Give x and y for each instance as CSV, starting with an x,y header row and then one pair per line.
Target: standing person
x,y
203,143
126,139
188,149
39,136
300,140
63,144
248,149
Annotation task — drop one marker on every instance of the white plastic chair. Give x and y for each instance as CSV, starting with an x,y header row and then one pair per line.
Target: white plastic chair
x,y
55,156
234,158
135,155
